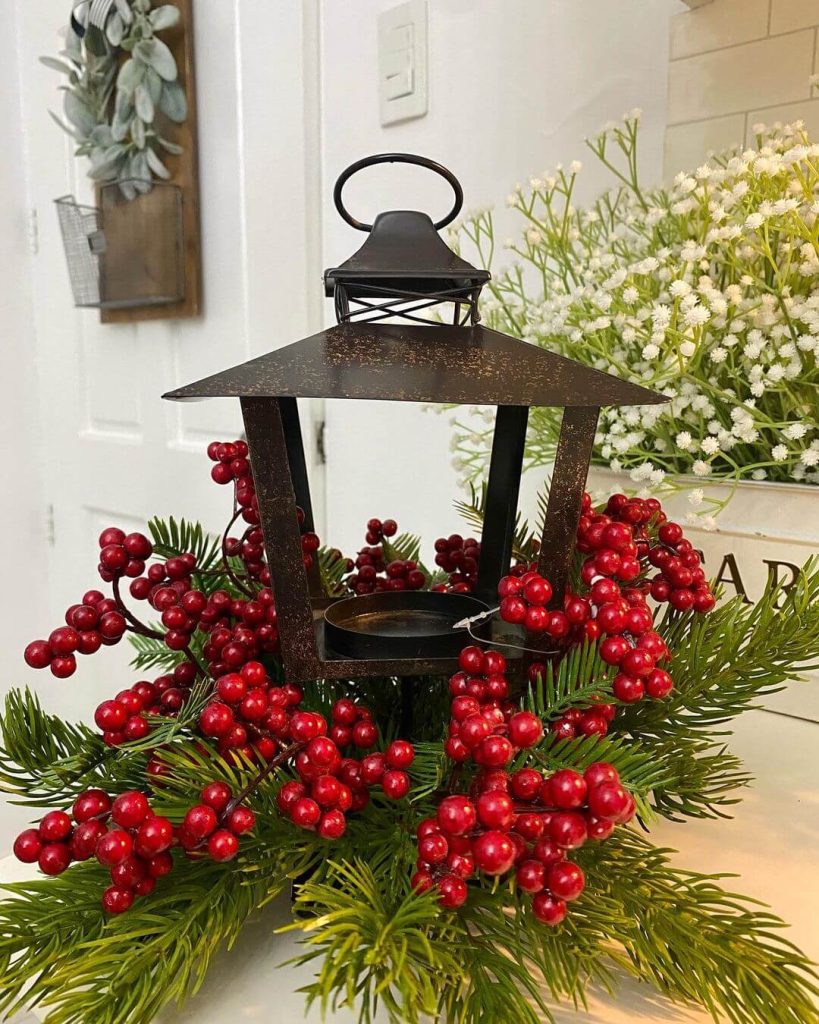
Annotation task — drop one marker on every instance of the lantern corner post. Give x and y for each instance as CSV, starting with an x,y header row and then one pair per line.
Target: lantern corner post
x,y
265,421
502,489
572,460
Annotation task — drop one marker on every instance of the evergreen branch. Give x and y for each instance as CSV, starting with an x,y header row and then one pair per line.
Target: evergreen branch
x,y
524,539
726,660
690,938
332,570
43,760
580,676
172,538
58,951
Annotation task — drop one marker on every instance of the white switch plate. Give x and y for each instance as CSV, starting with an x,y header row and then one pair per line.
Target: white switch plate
x,y
402,62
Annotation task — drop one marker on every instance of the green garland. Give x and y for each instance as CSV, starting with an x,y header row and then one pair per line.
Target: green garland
x,y
123,94
372,942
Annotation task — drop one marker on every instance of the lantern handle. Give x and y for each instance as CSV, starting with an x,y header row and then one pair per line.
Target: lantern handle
x,y
397,158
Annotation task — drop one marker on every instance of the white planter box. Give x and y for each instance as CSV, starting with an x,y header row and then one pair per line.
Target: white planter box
x,y
766,530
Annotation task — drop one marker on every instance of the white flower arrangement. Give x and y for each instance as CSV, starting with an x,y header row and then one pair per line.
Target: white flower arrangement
x,y
707,291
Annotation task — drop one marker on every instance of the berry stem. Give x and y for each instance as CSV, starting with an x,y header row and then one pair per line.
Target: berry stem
x,y
255,782
229,572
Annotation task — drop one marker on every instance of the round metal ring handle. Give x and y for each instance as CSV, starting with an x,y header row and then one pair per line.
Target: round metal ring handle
x,y
397,158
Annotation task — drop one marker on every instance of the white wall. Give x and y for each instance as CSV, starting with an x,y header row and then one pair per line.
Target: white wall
x,y
514,88
735,63
22,509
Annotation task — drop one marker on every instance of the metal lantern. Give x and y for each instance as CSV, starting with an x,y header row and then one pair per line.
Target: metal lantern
x,y
402,269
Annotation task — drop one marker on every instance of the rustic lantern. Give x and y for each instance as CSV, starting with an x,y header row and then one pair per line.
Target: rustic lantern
x,y
402,269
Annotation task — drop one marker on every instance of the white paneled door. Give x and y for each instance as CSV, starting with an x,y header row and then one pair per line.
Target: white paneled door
x,y
113,452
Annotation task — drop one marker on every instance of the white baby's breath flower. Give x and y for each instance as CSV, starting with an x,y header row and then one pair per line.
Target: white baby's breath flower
x,y
809,457
710,445
701,468
795,431
696,497
779,453
576,166
687,349
683,441
754,220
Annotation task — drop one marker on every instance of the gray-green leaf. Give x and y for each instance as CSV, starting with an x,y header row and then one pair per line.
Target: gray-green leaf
x,y
157,55
115,29
124,11
143,103
138,132
173,102
78,113
154,85
130,75
156,165
139,166
56,65
66,128
163,17
168,146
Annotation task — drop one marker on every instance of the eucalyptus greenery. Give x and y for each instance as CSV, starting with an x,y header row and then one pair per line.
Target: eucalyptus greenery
x,y
122,94
374,945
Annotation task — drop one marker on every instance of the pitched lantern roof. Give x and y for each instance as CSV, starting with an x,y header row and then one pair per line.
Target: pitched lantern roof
x,y
408,363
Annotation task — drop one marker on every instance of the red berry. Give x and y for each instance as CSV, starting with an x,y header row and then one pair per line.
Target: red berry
x,y
83,843
471,660
28,846
114,847
332,824
400,754
567,789
217,795
453,892
305,813
456,815
494,752
223,845
63,666
658,684
200,821
216,719
160,865
525,783
91,804
155,835
568,829
494,852
241,820
421,881
608,801
627,688
566,880
116,900
365,734
547,851
55,827
395,784
537,591
495,809
433,849
525,729
130,809
600,772
531,876
548,909
38,654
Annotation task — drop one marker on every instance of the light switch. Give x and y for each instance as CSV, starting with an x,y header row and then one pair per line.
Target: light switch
x,y
402,62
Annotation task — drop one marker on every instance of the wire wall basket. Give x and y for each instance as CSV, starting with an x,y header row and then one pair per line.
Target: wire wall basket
x,y
125,253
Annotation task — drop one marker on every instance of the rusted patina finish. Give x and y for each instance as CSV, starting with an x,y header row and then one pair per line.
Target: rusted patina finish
x,y
404,261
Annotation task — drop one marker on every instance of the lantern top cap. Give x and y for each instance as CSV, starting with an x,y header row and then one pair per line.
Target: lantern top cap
x,y
403,254
437,363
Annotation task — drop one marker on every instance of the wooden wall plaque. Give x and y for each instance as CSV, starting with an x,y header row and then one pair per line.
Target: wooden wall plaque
x,y
184,170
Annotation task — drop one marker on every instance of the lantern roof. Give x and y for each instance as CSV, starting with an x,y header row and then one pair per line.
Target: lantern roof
x,y
462,365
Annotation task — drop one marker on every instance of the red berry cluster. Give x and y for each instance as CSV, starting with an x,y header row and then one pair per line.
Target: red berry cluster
x,y
214,825
330,784
128,838
94,622
521,820
523,601
248,712
121,554
681,580
485,725
371,572
459,558
232,465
